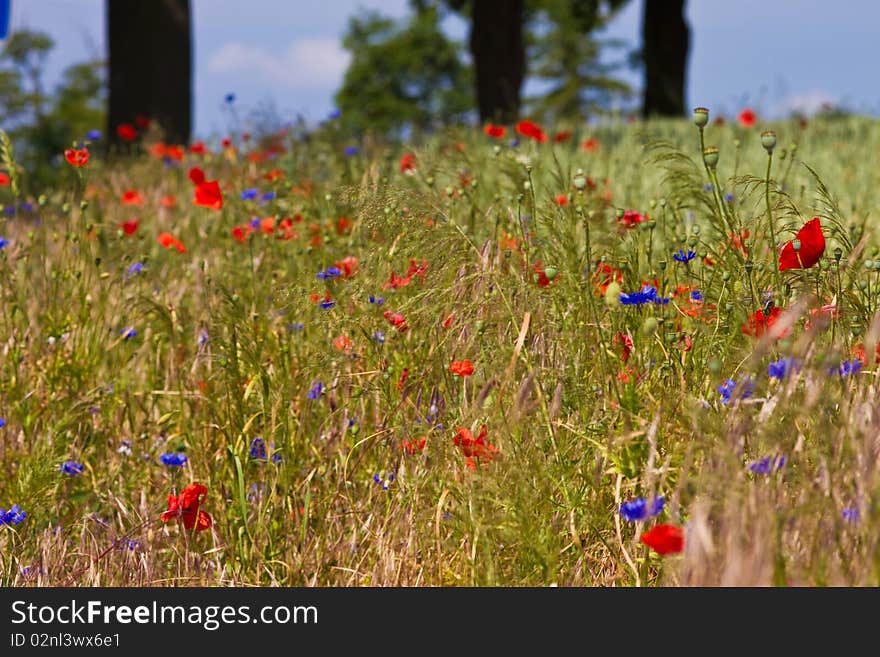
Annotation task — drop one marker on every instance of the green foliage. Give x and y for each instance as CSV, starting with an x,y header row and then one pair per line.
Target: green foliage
x,y
43,124
403,75
565,56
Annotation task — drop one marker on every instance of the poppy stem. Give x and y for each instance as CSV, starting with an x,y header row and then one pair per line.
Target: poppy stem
x,y
770,221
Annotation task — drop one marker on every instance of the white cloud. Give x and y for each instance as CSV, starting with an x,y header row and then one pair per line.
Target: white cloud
x,y
806,103
308,63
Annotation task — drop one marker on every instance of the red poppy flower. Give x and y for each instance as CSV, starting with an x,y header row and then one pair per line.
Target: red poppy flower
x,y
560,137
413,446
475,449
4,179
207,192
142,121
158,150
448,321
590,145
531,130
462,368
186,507
226,143
168,240
812,246
132,197
240,233
631,218
403,377
758,322
626,345
408,163
398,320
168,201
348,265
495,131
343,225
78,157
562,200
606,275
126,132
342,343
747,118
664,539
129,227
198,148
274,175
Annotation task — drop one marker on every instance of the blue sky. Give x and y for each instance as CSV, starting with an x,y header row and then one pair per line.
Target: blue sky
x,y
774,55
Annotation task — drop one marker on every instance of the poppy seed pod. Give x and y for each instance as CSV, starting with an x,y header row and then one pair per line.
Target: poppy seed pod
x,y
768,140
579,180
701,117
796,245
710,157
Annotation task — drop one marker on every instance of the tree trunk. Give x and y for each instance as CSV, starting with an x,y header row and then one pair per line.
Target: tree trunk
x,y
665,41
498,50
150,65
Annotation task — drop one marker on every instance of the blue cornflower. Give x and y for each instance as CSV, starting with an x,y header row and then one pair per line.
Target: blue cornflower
x,y
707,188
767,465
850,515
12,517
173,460
128,333
648,294
696,295
513,143
268,196
93,135
351,151
384,481
327,304
847,368
681,256
295,327
2,422
782,368
377,301
203,337
276,457
249,194
72,468
135,268
728,197
229,98
379,336
743,389
329,273
316,390
334,114
3,242
638,509
255,223
258,449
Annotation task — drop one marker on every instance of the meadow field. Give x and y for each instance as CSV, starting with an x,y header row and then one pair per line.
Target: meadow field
x,y
561,357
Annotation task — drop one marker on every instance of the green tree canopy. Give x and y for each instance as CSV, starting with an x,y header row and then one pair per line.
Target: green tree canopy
x,y
403,75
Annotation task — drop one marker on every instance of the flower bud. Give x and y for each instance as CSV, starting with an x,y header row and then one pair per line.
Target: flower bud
x,y
701,117
579,180
710,157
768,140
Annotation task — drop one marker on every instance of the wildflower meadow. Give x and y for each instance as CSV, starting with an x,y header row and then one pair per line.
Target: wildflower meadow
x,y
627,354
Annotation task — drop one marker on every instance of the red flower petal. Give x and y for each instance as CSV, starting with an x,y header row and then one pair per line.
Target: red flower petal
x,y
812,247
664,539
